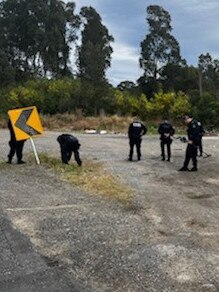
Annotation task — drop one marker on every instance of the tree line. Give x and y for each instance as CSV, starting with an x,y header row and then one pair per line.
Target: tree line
x,y
36,41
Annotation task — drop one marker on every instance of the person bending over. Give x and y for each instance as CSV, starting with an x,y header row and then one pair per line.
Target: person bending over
x,y
69,144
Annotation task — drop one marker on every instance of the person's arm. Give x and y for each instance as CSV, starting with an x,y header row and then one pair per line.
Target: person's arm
x,y
202,130
144,130
130,131
160,131
172,131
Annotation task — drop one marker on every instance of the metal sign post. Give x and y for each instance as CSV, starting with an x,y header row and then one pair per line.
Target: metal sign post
x,y
35,151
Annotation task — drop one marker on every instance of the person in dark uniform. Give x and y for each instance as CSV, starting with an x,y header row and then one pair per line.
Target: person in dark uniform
x,y
201,134
15,146
193,143
69,144
166,130
135,132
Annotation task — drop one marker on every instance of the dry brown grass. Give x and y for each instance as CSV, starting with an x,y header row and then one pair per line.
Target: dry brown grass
x,y
92,177
76,122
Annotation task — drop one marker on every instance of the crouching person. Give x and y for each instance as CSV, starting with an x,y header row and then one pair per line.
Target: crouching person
x,y
69,144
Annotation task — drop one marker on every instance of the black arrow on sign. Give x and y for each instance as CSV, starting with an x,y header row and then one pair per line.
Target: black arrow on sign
x,y
22,123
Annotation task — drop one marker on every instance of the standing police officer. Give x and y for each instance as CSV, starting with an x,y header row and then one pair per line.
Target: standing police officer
x,y
193,143
69,144
135,132
166,131
15,146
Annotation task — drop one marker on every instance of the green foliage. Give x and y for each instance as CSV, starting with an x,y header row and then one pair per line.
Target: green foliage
x,y
163,104
179,77
24,96
50,96
207,110
7,73
168,104
180,106
126,103
36,36
62,96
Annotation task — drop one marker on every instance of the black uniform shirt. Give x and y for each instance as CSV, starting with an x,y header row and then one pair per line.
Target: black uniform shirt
x,y
69,142
193,132
136,130
166,130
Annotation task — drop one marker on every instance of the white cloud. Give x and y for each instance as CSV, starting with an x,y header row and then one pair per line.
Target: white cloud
x,y
123,52
125,64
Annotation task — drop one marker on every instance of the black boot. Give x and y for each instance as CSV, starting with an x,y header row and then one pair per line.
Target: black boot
x,y
183,169
21,162
194,168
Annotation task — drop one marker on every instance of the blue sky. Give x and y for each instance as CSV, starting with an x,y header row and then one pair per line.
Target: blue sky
x,y
195,25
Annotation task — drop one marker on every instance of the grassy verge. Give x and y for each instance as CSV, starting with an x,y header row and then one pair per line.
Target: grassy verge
x,y
92,177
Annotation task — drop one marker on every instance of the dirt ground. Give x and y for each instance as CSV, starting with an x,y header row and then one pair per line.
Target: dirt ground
x,y
166,240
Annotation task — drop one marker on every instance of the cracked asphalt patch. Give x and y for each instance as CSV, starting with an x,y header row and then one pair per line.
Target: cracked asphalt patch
x,y
64,239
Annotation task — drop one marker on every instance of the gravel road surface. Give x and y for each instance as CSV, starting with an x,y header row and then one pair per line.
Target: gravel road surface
x,y
56,237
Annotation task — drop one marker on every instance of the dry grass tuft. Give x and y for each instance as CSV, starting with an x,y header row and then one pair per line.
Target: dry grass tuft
x,y
92,177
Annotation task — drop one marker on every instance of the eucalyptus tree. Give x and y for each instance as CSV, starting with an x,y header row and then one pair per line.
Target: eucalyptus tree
x,y
94,54
159,46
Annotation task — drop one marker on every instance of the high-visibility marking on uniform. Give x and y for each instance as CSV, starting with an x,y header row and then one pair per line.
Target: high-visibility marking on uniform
x,y
137,125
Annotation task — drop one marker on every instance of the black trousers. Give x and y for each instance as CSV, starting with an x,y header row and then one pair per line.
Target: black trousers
x,y
137,143
16,147
191,154
66,154
162,144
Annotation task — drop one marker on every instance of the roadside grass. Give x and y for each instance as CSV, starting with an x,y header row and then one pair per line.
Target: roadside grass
x,y
92,177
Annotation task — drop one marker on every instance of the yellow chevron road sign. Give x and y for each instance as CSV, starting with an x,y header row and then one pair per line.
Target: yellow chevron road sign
x,y
25,122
